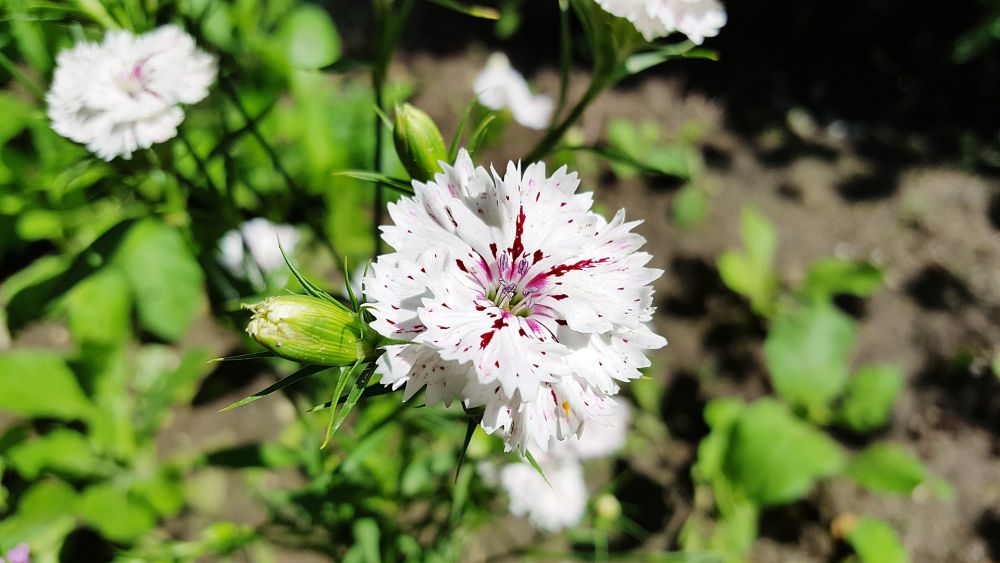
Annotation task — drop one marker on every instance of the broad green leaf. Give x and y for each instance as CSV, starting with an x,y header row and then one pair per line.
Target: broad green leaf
x,y
750,272
37,383
807,352
876,542
886,468
721,415
99,308
689,207
45,514
39,224
166,279
831,276
115,513
868,398
63,451
312,40
775,458
163,492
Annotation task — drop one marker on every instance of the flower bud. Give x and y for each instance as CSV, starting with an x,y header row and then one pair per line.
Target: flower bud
x,y
418,143
310,330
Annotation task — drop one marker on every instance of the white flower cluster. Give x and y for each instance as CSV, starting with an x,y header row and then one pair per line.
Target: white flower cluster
x,y
698,19
124,93
521,301
562,501
499,86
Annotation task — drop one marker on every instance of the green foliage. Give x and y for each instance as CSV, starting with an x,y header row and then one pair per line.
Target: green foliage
x,y
831,276
750,272
774,458
876,542
164,276
115,513
37,383
311,39
641,143
868,398
62,451
689,207
886,468
807,352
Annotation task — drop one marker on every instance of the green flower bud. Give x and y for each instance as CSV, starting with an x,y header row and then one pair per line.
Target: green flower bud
x,y
418,143
311,330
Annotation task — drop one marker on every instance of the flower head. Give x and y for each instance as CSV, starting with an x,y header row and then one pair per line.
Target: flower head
x,y
124,93
520,299
697,19
499,86
260,237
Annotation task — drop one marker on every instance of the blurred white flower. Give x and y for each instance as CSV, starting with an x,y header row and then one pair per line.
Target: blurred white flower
x,y
522,300
559,503
697,19
261,237
124,93
562,501
499,86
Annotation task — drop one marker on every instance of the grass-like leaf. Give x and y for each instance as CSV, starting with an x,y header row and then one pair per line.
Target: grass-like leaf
x,y
309,287
538,468
456,141
483,12
469,431
479,135
241,357
397,184
345,376
299,375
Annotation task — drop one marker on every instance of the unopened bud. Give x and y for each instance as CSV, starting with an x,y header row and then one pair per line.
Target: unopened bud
x,y
310,330
418,143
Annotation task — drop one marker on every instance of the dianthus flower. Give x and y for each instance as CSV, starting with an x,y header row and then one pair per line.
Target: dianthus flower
x,y
517,297
697,19
500,86
124,93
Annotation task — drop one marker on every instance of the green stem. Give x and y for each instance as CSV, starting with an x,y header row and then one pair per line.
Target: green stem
x,y
597,85
564,55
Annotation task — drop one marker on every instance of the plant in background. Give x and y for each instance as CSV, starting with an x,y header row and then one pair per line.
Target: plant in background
x,y
770,453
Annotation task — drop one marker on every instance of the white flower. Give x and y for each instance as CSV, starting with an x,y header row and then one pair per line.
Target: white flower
x,y
559,503
261,237
562,501
697,19
523,301
499,86
123,94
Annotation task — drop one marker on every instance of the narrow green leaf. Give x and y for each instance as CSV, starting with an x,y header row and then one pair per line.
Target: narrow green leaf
x,y
397,184
456,141
299,375
345,375
469,431
309,287
483,12
352,398
241,357
479,135
534,464
350,290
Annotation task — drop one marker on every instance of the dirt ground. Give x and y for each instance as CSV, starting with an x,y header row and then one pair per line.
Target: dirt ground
x,y
934,230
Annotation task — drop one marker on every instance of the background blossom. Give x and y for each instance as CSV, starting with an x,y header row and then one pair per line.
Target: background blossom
x,y
124,93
